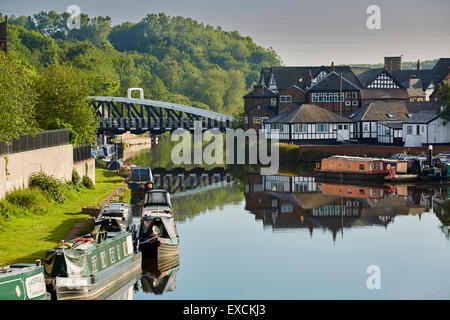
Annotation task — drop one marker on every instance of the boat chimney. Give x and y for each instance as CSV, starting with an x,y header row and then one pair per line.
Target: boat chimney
x,y
332,66
38,262
418,64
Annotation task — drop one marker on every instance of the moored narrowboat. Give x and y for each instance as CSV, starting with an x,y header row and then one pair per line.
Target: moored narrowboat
x,y
351,168
23,282
88,268
158,234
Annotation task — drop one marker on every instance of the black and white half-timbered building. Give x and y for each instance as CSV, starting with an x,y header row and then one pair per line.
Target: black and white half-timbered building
x,y
309,124
367,118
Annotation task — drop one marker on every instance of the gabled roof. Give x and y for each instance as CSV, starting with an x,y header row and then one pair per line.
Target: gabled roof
x,y
367,75
267,93
285,77
423,117
308,113
415,92
380,111
379,94
331,82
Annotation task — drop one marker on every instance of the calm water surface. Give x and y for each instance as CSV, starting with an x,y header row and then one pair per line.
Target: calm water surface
x,y
291,237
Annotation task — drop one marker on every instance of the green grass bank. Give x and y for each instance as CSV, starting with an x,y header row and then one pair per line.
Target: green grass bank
x,y
38,224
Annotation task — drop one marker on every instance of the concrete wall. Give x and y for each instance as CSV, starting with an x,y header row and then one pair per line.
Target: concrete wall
x,y
56,161
86,168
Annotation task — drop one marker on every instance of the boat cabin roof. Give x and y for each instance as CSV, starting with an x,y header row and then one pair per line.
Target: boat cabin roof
x,y
355,159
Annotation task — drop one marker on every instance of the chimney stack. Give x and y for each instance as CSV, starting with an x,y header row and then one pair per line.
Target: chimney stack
x,y
392,63
258,90
332,66
418,64
308,84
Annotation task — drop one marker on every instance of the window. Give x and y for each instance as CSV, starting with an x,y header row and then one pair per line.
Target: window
x,y
387,131
274,203
422,129
361,167
362,191
118,252
355,103
408,115
112,255
348,95
264,118
336,97
246,120
409,130
365,127
285,98
300,128
354,95
348,103
94,263
256,120
319,97
390,115
321,127
103,259
287,208
125,249
273,101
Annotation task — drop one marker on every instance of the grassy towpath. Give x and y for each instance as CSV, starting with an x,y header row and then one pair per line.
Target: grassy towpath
x,y
27,238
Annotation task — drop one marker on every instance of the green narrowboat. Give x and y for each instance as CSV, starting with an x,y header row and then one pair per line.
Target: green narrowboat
x,y
91,268
23,282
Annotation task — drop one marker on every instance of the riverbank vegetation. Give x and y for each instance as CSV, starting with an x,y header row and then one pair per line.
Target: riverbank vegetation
x,y
31,222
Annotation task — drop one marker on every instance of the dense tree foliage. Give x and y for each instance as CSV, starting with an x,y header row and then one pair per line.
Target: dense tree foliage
x,y
62,103
173,58
16,99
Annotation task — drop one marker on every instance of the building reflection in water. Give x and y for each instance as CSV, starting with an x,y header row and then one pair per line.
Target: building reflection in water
x,y
284,202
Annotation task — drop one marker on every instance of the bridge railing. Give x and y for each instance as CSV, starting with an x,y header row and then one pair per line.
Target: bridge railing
x,y
165,123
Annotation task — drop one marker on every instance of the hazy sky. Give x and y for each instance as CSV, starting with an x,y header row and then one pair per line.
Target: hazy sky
x,y
313,32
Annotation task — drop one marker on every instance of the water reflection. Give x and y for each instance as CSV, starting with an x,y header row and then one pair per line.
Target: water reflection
x,y
286,202
159,275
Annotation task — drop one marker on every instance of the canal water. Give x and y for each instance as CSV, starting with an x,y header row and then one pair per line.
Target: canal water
x,y
247,236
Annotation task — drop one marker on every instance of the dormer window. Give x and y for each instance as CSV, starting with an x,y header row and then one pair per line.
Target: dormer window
x,y
409,115
390,115
319,77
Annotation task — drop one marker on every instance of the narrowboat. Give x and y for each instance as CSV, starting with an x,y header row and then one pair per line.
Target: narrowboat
x,y
158,234
114,217
23,282
140,179
159,275
88,268
351,168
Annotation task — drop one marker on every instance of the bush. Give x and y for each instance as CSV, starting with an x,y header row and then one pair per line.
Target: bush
x,y
26,198
51,186
75,177
87,182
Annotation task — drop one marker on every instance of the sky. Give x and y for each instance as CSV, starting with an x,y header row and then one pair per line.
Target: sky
x,y
313,32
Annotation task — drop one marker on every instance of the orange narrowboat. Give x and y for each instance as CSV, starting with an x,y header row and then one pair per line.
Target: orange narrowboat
x,y
351,168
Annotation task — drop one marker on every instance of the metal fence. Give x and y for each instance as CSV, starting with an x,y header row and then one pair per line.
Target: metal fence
x,y
82,152
43,139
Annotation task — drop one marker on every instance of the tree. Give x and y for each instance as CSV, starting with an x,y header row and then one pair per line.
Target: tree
x,y
62,94
17,98
444,94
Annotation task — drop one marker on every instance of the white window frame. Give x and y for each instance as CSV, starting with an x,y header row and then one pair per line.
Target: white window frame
x,y
286,98
300,128
355,103
348,103
321,126
257,120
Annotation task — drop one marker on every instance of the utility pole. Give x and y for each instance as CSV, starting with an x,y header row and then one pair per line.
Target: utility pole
x,y
340,95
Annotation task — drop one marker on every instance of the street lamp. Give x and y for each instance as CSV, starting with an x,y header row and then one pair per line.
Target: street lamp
x,y
430,152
